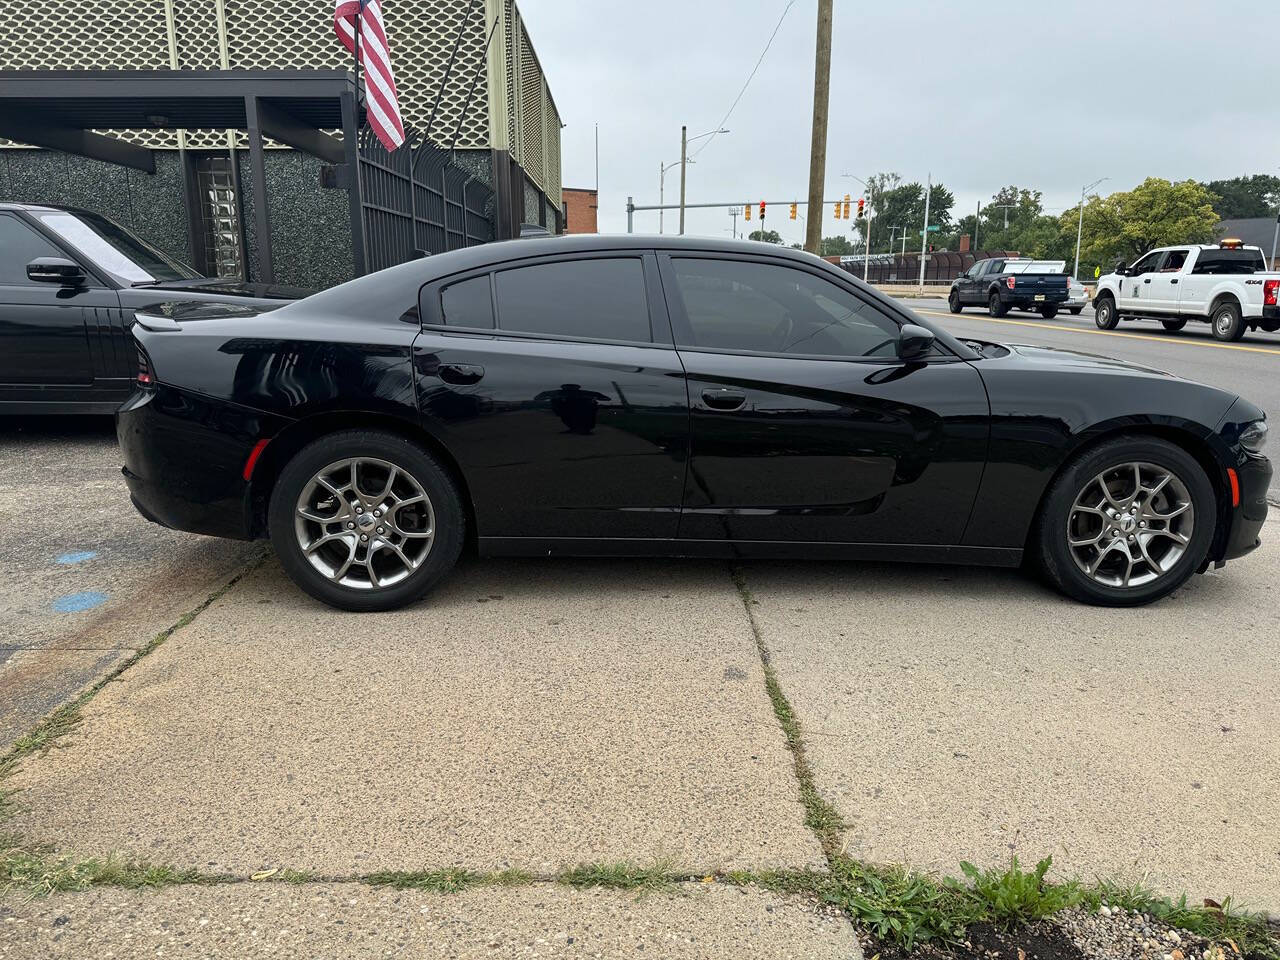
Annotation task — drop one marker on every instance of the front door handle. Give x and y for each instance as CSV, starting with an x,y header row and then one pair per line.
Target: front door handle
x,y
1147,280
1174,280
724,399
461,373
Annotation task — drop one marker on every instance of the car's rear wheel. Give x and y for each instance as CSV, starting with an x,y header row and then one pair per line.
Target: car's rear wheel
x,y
1126,522
995,306
365,520
1173,326
1049,312
1075,311
1228,325
953,302
1105,316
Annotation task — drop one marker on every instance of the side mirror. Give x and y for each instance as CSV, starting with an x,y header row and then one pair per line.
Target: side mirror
x,y
1121,269
55,270
914,342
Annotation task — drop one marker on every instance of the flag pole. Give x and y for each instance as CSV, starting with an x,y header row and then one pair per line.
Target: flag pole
x,y
355,54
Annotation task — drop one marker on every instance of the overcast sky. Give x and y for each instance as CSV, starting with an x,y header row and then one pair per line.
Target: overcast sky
x,y
1044,95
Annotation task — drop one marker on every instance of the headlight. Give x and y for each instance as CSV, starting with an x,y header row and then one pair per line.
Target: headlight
x,y
1254,436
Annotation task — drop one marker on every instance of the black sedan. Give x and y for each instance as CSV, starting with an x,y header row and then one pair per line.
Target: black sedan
x,y
621,396
70,281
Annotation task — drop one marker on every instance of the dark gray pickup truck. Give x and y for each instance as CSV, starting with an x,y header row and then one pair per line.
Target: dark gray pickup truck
x,y
1002,284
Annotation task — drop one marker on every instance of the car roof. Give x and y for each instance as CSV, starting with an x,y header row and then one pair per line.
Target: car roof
x,y
28,207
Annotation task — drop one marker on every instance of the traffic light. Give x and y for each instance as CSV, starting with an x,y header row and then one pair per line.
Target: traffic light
x,y
762,211
861,207
746,211
846,206
837,209
793,211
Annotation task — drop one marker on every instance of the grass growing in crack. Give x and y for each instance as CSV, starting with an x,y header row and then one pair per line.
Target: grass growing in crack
x,y
447,880
37,872
618,876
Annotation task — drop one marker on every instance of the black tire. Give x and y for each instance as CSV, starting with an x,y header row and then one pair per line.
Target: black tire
x,y
1053,555
445,502
1227,323
1075,311
1049,311
1105,316
1173,326
953,302
995,306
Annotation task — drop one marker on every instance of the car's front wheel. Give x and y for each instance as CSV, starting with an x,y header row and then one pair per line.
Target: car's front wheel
x,y
1126,522
365,520
1105,316
953,302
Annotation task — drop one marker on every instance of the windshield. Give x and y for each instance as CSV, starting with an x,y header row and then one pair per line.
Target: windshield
x,y
125,256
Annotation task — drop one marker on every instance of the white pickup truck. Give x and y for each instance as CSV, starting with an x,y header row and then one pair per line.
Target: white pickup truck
x,y
1225,284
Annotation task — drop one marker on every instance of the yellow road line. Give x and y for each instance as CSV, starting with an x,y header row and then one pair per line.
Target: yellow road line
x,y
1180,342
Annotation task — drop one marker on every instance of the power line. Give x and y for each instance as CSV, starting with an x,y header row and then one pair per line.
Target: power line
x,y
732,106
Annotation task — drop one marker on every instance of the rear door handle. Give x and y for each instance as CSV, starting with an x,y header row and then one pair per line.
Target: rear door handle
x,y
461,373
723,399
1174,280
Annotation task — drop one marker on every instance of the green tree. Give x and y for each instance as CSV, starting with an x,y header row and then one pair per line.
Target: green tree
x,y
766,236
899,206
1255,196
837,246
1127,224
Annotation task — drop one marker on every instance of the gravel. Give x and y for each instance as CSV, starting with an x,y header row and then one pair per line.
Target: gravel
x,y
1113,933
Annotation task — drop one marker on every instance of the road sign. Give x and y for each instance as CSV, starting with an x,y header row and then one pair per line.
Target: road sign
x,y
933,228
1097,272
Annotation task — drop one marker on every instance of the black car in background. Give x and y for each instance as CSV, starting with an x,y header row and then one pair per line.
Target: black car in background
x,y
630,395
70,281
1002,284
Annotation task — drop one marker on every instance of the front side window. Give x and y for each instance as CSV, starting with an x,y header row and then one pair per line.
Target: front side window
x,y
127,257
19,245
1149,263
593,299
767,308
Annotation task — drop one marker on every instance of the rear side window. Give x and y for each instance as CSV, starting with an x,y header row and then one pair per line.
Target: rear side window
x,y
468,303
1229,261
767,308
592,299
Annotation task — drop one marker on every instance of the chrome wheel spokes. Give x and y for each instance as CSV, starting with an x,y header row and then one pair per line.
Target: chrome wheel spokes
x,y
364,523
1130,524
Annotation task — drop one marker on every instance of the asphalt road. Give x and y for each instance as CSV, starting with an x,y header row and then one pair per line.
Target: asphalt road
x,y
1250,368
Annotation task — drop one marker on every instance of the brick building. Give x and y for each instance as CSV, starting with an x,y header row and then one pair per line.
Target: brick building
x,y
580,210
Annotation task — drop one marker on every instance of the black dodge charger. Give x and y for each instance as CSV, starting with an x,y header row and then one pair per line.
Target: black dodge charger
x,y
621,396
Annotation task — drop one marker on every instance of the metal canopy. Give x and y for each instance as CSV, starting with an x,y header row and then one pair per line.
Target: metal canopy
x,y
62,109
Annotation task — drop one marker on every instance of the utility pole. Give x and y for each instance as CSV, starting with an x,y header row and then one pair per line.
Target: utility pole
x,y
733,212
1080,227
1274,237
818,147
924,234
684,149
892,230
1005,207
976,218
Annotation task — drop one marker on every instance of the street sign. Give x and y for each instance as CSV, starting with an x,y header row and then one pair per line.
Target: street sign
x,y
933,228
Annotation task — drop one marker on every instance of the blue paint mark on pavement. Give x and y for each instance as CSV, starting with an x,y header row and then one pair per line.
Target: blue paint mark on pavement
x,y
77,556
75,602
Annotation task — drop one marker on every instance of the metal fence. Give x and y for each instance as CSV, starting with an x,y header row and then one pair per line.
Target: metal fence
x,y
418,200
940,267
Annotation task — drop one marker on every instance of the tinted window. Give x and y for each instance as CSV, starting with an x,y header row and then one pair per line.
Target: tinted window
x,y
127,257
996,266
1148,263
733,305
1174,261
596,299
468,303
19,245
1229,261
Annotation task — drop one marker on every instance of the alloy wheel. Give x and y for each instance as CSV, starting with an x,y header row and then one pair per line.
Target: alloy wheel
x,y
364,523
1130,525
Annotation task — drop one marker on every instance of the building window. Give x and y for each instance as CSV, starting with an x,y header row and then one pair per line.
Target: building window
x,y
219,217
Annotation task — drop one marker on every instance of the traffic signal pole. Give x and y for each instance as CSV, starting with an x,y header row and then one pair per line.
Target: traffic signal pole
x,y
684,149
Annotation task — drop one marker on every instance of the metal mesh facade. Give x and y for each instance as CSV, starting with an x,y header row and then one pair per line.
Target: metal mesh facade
x,y
533,123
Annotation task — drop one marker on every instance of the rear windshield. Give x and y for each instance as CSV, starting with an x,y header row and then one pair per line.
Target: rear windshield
x,y
1229,261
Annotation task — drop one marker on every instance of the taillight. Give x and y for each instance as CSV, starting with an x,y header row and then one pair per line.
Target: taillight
x,y
145,376
1269,291
1010,281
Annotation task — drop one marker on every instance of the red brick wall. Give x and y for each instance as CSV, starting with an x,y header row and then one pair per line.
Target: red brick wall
x,y
579,210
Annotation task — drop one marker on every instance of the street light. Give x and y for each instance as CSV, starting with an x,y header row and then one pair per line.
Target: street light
x,y
662,175
685,140
1080,227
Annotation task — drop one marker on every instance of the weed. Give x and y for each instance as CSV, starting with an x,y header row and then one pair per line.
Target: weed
x,y
38,872
1015,896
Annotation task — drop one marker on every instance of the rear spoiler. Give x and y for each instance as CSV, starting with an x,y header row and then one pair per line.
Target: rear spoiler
x,y
169,317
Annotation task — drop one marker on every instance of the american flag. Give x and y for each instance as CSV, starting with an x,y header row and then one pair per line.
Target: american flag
x,y
381,106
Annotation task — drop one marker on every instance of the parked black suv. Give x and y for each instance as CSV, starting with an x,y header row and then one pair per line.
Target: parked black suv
x,y
70,282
